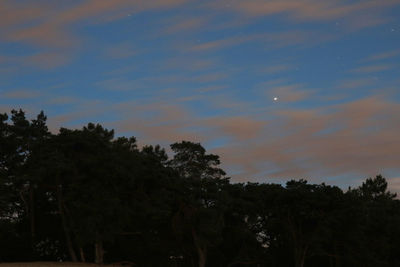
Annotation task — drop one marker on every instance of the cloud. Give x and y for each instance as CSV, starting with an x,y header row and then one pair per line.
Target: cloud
x,y
358,137
41,60
186,81
62,100
210,88
271,40
361,21
21,94
304,10
49,25
82,110
189,63
222,43
118,84
13,13
46,60
228,104
44,35
394,185
241,128
384,55
158,123
372,68
277,68
183,24
161,122
356,83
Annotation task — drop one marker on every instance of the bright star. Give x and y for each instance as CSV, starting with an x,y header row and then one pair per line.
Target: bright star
x,y
275,99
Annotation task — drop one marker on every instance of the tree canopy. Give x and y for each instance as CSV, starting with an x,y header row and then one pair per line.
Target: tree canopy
x,y
86,195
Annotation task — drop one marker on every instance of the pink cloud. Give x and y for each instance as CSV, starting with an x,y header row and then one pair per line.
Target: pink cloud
x,y
21,94
49,25
240,127
358,137
304,9
384,55
372,68
394,185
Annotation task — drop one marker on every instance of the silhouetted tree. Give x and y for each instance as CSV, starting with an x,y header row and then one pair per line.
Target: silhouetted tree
x,y
84,195
199,219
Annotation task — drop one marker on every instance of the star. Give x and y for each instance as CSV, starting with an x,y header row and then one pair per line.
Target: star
x,y
275,99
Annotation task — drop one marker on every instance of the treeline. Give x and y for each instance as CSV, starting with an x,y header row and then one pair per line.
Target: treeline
x,y
84,195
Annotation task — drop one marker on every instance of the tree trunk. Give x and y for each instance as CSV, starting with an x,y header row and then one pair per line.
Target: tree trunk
x,y
201,250
82,253
99,252
300,250
65,226
202,254
300,256
29,209
32,215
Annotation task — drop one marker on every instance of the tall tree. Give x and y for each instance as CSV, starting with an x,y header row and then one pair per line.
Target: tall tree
x,y
199,218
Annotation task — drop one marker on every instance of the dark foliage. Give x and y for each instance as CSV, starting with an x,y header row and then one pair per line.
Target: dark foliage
x,y
84,195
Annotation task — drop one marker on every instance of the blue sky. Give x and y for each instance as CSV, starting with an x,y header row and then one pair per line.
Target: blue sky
x,y
208,71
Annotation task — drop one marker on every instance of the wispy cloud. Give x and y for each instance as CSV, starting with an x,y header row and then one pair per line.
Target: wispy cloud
x,y
269,40
356,83
49,25
42,60
158,123
222,43
276,68
181,24
62,100
357,137
241,128
47,60
304,10
384,55
21,94
189,63
372,68
394,185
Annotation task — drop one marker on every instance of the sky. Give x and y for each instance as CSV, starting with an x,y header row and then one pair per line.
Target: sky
x,y
280,89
